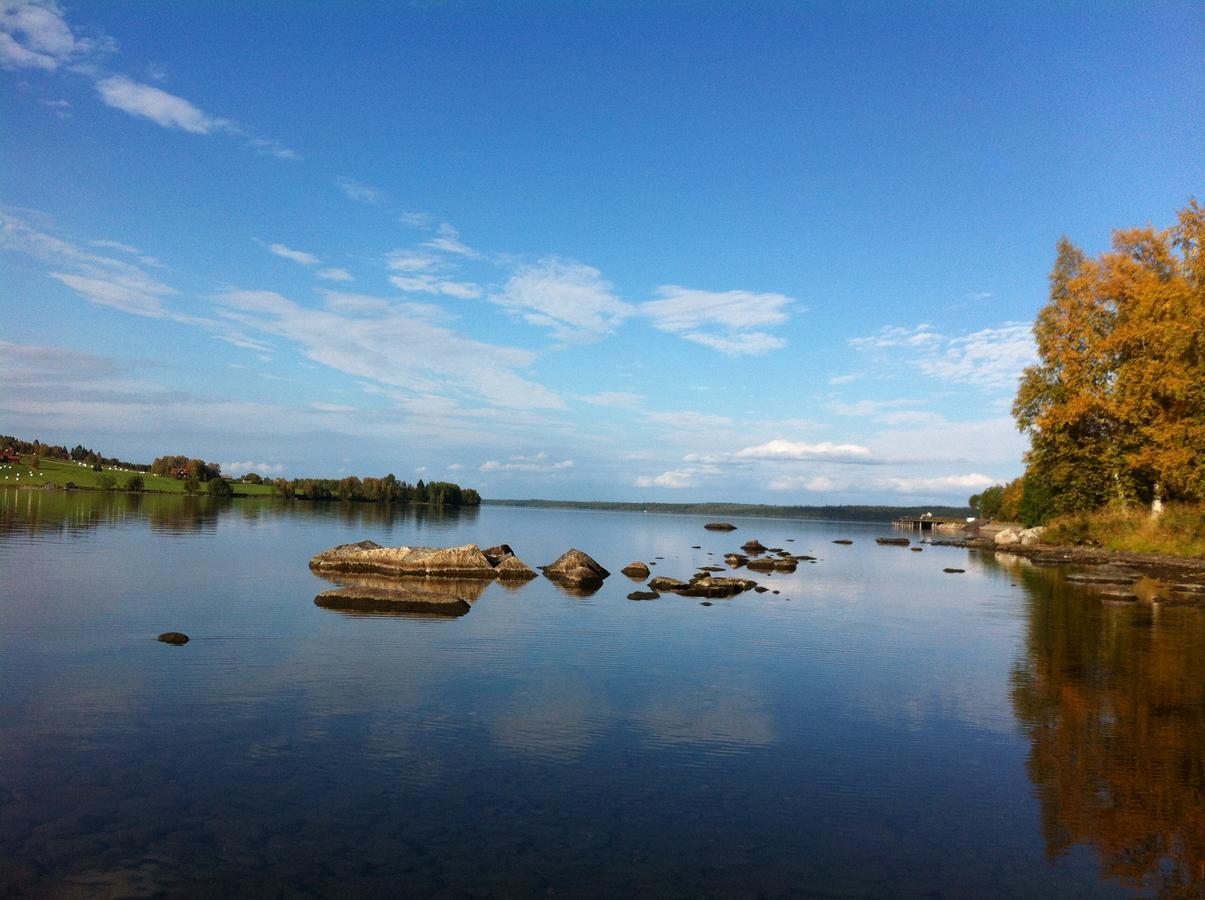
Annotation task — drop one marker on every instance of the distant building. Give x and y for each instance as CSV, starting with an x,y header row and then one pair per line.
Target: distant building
x,y
179,472
9,455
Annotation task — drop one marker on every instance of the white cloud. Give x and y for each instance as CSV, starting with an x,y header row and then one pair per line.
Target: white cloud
x,y
410,261
676,479
573,300
448,241
360,192
816,484
888,336
621,399
738,315
335,274
942,484
416,219
116,245
159,106
297,256
396,346
844,379
34,35
428,284
991,358
538,463
801,450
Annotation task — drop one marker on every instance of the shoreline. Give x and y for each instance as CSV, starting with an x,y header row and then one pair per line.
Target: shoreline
x,y
1154,565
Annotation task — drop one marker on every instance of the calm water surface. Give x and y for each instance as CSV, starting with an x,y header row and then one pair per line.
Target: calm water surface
x,y
878,728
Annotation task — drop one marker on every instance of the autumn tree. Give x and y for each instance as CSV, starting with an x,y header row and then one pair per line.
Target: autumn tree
x,y
1115,409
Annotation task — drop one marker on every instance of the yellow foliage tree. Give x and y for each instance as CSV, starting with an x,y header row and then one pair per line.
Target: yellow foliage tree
x,y
1115,409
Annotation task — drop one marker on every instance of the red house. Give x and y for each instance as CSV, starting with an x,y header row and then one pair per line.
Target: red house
x,y
9,455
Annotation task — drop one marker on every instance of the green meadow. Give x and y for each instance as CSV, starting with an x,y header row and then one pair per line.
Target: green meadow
x,y
62,472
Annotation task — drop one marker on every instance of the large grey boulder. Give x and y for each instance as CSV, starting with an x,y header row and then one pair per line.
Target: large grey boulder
x,y
447,562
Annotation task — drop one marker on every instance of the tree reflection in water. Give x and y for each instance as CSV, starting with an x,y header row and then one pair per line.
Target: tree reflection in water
x,y
1113,702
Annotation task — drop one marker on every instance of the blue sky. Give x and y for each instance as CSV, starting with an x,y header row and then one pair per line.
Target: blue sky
x,y
666,251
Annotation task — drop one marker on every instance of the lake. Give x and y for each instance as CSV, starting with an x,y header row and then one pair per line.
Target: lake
x,y
876,728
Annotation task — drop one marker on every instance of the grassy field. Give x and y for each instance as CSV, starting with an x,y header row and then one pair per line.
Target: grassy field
x,y
1180,531
59,473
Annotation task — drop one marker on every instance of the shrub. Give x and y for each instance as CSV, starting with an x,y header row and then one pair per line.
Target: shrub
x,y
135,483
106,482
220,487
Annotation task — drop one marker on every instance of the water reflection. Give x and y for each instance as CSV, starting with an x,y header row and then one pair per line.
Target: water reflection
x,y
1113,702
35,512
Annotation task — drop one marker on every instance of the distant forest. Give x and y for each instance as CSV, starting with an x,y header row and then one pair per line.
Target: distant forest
x,y
763,510
191,473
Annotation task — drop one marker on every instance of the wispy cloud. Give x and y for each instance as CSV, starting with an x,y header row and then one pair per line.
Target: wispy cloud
x,y
360,192
395,346
941,484
731,322
570,299
159,106
801,450
539,463
297,256
335,274
991,358
448,240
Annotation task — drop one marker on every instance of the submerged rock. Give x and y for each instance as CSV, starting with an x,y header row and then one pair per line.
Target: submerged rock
x,y
178,638
1102,576
771,565
636,569
893,541
360,598
665,584
720,526
711,586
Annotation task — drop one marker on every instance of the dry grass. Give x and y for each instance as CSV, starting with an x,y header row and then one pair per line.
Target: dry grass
x,y
1180,531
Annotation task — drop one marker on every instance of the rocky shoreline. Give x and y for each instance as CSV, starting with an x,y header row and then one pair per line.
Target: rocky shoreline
x,y
1163,568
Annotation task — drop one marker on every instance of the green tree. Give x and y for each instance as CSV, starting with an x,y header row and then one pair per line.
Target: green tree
x,y
106,481
220,487
135,483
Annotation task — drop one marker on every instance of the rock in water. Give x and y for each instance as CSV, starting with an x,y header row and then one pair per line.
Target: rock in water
x,y
843,541
753,545
514,569
173,637
664,583
643,595
443,562
953,571
893,541
576,569
343,551
720,526
636,569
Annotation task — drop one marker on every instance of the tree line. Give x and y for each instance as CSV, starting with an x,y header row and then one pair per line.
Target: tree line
x,y
78,453
376,490
1115,406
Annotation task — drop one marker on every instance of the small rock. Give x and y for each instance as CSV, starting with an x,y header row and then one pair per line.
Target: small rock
x,y
720,526
1188,588
918,549
753,545
643,595
173,637
761,589
636,569
893,541
705,603
664,583
954,571
843,541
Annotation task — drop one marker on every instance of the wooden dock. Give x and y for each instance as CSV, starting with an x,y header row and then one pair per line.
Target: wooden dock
x,y
926,523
